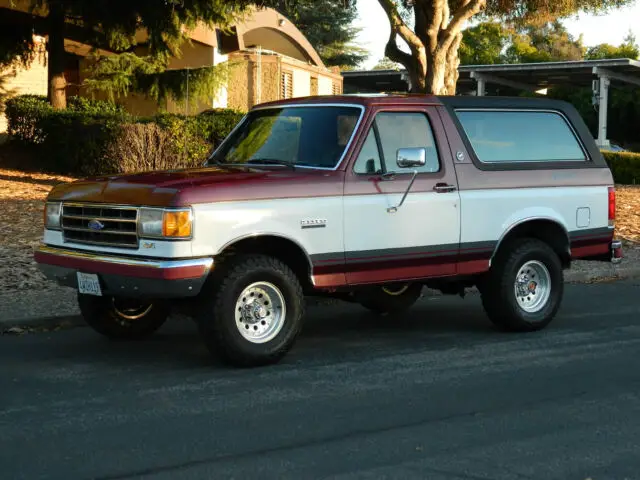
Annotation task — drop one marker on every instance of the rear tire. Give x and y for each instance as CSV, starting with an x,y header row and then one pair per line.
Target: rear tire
x,y
122,319
524,288
389,299
253,312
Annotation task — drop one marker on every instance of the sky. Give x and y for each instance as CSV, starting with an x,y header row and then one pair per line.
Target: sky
x,y
610,28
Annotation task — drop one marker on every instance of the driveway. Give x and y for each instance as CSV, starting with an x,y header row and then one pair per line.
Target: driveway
x,y
437,395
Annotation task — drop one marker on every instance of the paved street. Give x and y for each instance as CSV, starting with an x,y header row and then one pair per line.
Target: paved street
x,y
438,395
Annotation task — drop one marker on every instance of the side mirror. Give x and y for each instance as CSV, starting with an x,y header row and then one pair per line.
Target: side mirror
x,y
411,157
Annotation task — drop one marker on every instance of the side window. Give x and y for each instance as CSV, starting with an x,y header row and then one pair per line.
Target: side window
x,y
502,136
369,159
406,130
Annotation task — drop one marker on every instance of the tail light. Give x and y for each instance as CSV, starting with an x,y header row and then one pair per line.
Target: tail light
x,y
612,206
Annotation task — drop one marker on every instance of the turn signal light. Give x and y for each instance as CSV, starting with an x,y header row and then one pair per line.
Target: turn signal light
x,y
176,224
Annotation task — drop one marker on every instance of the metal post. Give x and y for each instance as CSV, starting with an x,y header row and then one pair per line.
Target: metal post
x,y
603,110
482,86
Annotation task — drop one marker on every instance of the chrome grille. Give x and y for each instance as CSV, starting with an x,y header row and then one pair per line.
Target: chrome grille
x,y
106,225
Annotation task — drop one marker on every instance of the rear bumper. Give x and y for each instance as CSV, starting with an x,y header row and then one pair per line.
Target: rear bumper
x,y
130,277
610,252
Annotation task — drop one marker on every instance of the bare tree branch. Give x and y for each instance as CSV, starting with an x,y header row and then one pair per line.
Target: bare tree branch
x,y
398,26
468,9
394,53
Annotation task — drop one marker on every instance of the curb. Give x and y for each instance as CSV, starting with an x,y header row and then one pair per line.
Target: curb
x,y
51,323
622,273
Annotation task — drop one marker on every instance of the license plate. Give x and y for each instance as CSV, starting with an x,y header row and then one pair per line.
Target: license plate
x,y
89,284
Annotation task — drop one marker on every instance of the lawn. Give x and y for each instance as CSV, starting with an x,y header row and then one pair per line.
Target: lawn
x,y
21,201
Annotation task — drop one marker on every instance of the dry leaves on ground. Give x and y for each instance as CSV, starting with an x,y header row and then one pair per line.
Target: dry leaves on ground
x,y
628,213
21,208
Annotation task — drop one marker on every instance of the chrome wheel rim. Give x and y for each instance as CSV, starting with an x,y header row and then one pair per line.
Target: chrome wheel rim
x,y
532,287
130,310
395,291
260,312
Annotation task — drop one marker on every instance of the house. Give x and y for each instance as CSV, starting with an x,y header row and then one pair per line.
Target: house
x,y
271,60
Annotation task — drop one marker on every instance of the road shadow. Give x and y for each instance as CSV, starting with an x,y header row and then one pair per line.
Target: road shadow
x,y
331,334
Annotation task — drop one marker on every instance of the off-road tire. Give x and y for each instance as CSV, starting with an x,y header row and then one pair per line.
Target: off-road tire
x,y
99,313
380,301
217,316
498,288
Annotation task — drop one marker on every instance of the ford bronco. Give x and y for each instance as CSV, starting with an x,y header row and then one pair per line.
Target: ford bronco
x,y
363,198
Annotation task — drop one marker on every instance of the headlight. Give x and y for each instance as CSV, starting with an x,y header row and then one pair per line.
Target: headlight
x,y
166,223
52,215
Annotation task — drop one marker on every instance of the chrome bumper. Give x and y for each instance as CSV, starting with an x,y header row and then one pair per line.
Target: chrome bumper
x,y
616,251
130,277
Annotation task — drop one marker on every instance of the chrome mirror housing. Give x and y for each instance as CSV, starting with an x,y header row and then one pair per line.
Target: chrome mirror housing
x,y
411,157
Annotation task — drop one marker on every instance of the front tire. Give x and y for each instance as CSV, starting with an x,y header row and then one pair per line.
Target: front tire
x,y
253,312
120,318
524,288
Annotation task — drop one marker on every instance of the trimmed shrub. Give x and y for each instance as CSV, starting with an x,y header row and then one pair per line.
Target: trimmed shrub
x,y
24,114
100,138
624,166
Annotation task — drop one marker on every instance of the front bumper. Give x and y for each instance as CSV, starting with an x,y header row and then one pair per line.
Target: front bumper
x,y
123,276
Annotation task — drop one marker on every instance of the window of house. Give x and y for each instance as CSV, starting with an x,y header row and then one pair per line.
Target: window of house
x,y
397,130
287,84
502,136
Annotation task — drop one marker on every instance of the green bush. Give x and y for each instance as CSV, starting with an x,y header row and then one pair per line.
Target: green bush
x,y
100,138
624,166
24,114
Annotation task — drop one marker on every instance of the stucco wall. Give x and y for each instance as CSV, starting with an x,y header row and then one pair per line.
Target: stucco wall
x,y
16,80
243,92
240,85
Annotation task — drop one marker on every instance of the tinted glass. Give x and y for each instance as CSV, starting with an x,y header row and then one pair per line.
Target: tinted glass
x,y
369,159
406,130
501,136
305,136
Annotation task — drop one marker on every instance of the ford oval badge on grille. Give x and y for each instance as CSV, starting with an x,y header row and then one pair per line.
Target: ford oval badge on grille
x,y
95,225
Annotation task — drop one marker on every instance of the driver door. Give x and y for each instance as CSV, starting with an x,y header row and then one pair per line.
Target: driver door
x,y
422,237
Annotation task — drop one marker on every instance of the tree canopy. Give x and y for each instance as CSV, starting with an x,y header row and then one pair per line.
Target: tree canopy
x,y
432,29
113,26
494,43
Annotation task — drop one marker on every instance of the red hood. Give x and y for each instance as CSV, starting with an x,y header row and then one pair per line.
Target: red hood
x,y
200,185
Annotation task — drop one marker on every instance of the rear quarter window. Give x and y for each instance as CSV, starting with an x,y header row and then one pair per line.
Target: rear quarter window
x,y
502,136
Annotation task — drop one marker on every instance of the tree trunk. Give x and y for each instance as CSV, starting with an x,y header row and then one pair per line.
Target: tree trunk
x,y
436,73
55,48
453,62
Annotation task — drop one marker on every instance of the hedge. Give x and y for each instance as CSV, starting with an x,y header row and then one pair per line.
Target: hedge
x,y
624,166
100,138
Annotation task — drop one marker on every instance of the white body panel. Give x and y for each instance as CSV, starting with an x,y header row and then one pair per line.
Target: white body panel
x,y
424,219
361,222
489,214
218,225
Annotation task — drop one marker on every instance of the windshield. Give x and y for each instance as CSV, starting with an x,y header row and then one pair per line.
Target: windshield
x,y
314,136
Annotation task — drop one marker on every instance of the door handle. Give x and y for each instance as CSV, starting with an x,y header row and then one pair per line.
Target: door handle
x,y
443,187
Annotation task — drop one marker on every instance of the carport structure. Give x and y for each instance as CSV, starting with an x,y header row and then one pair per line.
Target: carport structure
x,y
536,77
600,75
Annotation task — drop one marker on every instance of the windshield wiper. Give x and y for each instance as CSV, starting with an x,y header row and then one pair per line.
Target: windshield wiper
x,y
270,161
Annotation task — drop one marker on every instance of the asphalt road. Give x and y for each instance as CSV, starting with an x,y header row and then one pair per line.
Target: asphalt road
x,y
438,395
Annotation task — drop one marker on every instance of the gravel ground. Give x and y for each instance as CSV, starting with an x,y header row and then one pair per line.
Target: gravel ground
x,y
25,293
